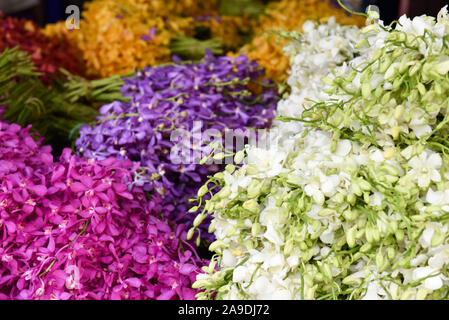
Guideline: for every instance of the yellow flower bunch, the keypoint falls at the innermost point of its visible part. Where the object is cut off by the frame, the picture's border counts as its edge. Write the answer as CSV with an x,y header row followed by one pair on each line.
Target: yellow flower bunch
x,y
289,15
118,36
178,8
112,37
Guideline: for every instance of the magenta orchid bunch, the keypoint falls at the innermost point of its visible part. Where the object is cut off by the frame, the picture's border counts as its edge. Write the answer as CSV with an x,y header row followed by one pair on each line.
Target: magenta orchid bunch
x,y
74,230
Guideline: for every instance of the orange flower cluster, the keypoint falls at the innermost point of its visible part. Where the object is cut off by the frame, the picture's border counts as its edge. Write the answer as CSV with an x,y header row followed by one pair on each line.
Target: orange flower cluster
x,y
119,36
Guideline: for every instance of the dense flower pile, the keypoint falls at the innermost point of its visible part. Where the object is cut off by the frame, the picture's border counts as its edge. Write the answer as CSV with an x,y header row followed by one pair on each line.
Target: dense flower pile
x,y
48,54
350,200
211,95
120,36
287,15
73,229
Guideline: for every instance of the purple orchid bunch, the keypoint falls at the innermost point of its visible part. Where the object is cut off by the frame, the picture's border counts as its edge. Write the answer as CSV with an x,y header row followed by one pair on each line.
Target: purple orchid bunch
x,y
75,229
219,93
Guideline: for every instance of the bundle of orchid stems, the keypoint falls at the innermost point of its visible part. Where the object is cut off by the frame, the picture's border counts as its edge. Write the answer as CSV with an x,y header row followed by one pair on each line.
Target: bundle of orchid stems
x,y
342,193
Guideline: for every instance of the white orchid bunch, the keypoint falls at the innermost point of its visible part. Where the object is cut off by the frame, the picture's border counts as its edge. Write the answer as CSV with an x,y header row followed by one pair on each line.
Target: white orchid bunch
x,y
354,204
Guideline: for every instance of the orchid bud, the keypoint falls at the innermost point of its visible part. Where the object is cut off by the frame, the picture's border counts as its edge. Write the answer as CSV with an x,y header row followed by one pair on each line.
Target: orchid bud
x,y
239,156
202,283
252,169
385,98
389,153
255,229
418,218
318,197
437,238
399,234
350,237
391,72
357,256
401,263
404,64
212,226
288,248
422,89
318,277
415,68
366,197
401,37
205,269
199,219
204,160
366,90
399,111
223,193
391,253
365,247
218,245
219,176
360,233
364,185
351,198
375,234
209,206
348,215
326,212
328,81
351,76
438,88
422,293
193,209
213,263
366,76
330,90
308,255
339,198
251,205
407,294
398,52
394,225
219,156
190,233
254,189
385,65
392,36
378,54
394,291
369,234
230,168
380,261
310,292
395,131
250,244
356,187
378,92
370,28
351,281
361,43
202,191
